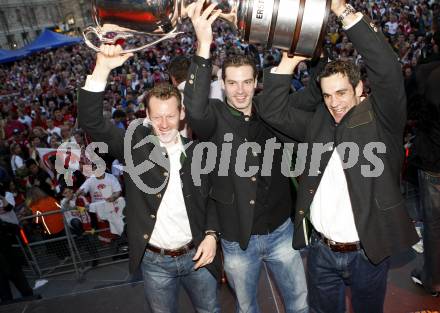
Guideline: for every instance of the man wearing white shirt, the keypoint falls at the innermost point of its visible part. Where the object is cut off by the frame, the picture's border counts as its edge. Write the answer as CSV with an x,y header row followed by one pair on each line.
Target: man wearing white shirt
x,y
52,129
357,211
172,233
104,187
393,25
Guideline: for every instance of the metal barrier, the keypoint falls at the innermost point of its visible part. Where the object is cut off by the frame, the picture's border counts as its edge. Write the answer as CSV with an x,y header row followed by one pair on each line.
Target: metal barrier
x,y
66,252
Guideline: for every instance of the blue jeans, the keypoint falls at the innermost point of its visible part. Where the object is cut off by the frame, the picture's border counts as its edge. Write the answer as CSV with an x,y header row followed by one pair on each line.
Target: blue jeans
x,y
163,276
329,273
242,268
429,186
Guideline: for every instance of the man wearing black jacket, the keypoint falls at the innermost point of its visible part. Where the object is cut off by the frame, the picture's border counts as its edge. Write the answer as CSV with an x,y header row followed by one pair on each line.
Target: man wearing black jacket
x,y
169,230
254,207
10,261
426,157
350,189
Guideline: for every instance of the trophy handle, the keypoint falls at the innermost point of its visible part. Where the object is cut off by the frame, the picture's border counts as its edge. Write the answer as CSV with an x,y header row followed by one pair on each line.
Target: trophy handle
x,y
112,38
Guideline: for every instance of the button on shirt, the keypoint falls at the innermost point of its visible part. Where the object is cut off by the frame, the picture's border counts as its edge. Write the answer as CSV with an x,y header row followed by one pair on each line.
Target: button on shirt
x,y
331,212
172,229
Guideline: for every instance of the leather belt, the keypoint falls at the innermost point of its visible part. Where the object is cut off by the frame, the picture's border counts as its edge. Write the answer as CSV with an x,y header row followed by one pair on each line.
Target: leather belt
x,y
172,252
340,246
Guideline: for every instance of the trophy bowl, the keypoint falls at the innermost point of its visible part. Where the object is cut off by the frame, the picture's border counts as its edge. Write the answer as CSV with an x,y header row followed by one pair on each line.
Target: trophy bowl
x,y
296,26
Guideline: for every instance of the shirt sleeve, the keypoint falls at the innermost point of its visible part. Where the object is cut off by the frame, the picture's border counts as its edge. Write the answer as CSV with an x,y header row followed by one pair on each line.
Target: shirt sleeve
x,y
93,85
18,162
359,16
10,198
85,186
116,186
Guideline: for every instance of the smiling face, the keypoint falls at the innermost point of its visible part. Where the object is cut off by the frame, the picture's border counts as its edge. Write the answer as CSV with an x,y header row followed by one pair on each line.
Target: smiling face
x,y
239,84
339,95
165,116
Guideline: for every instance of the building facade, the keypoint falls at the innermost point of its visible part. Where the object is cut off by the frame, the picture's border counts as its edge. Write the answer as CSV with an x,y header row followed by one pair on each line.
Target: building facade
x,y
21,21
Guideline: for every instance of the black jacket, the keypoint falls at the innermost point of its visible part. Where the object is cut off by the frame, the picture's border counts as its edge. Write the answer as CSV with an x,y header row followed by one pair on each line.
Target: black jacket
x,y
426,150
379,211
141,210
243,203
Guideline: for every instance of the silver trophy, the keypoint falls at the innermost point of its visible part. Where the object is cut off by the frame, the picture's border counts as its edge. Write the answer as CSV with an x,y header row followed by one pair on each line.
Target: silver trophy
x,y
297,26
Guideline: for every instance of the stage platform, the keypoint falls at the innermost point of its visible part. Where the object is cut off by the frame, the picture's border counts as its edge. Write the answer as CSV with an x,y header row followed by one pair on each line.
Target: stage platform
x,y
110,289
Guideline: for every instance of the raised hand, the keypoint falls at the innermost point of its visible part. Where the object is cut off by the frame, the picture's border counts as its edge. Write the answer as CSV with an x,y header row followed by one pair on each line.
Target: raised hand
x,y
287,65
110,57
338,6
202,22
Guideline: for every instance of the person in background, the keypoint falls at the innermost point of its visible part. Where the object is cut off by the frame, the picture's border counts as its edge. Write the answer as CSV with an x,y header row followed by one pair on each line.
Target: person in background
x,y
426,157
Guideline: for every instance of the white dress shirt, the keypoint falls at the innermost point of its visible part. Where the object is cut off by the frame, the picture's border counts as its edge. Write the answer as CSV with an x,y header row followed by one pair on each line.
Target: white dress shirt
x,y
331,212
172,229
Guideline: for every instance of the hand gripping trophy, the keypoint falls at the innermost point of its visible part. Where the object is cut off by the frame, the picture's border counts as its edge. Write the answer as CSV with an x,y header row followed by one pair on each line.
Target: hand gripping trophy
x,y
297,26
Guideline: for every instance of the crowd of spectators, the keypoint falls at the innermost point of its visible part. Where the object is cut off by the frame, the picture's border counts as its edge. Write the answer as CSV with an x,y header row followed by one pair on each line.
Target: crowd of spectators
x,y
38,93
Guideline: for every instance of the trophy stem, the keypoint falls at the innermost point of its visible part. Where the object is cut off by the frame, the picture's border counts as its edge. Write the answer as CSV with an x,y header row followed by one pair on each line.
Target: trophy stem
x,y
121,36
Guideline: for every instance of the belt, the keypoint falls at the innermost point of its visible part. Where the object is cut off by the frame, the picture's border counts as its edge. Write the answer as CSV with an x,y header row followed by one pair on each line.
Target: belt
x,y
340,246
172,252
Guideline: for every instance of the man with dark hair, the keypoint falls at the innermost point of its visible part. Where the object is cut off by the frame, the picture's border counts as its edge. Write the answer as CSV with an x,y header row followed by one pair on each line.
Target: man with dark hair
x,y
169,230
38,177
253,207
356,207
237,60
178,69
347,69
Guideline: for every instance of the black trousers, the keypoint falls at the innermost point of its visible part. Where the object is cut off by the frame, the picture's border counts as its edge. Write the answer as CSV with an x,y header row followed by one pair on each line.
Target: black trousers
x,y
13,273
429,185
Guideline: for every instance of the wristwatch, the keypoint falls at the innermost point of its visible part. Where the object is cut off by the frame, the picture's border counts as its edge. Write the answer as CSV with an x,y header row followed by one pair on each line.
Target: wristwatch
x,y
214,234
348,10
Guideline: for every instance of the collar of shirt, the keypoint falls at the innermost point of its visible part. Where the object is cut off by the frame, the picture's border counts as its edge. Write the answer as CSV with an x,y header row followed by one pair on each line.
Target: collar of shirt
x,y
240,114
174,148
181,86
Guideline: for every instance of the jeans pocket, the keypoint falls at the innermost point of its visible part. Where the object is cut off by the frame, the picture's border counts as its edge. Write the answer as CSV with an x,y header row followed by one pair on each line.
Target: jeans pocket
x,y
229,247
151,257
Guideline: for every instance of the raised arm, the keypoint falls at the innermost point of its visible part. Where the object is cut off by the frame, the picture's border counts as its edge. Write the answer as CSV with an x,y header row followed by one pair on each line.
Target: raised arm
x,y
90,106
384,74
285,112
199,113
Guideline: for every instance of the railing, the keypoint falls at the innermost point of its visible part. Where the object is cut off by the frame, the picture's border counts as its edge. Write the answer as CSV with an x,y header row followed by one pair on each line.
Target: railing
x,y
65,252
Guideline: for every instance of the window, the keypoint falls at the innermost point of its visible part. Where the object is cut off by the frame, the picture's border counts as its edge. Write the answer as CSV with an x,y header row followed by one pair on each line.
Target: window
x,y
18,14
11,41
33,16
4,22
24,37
